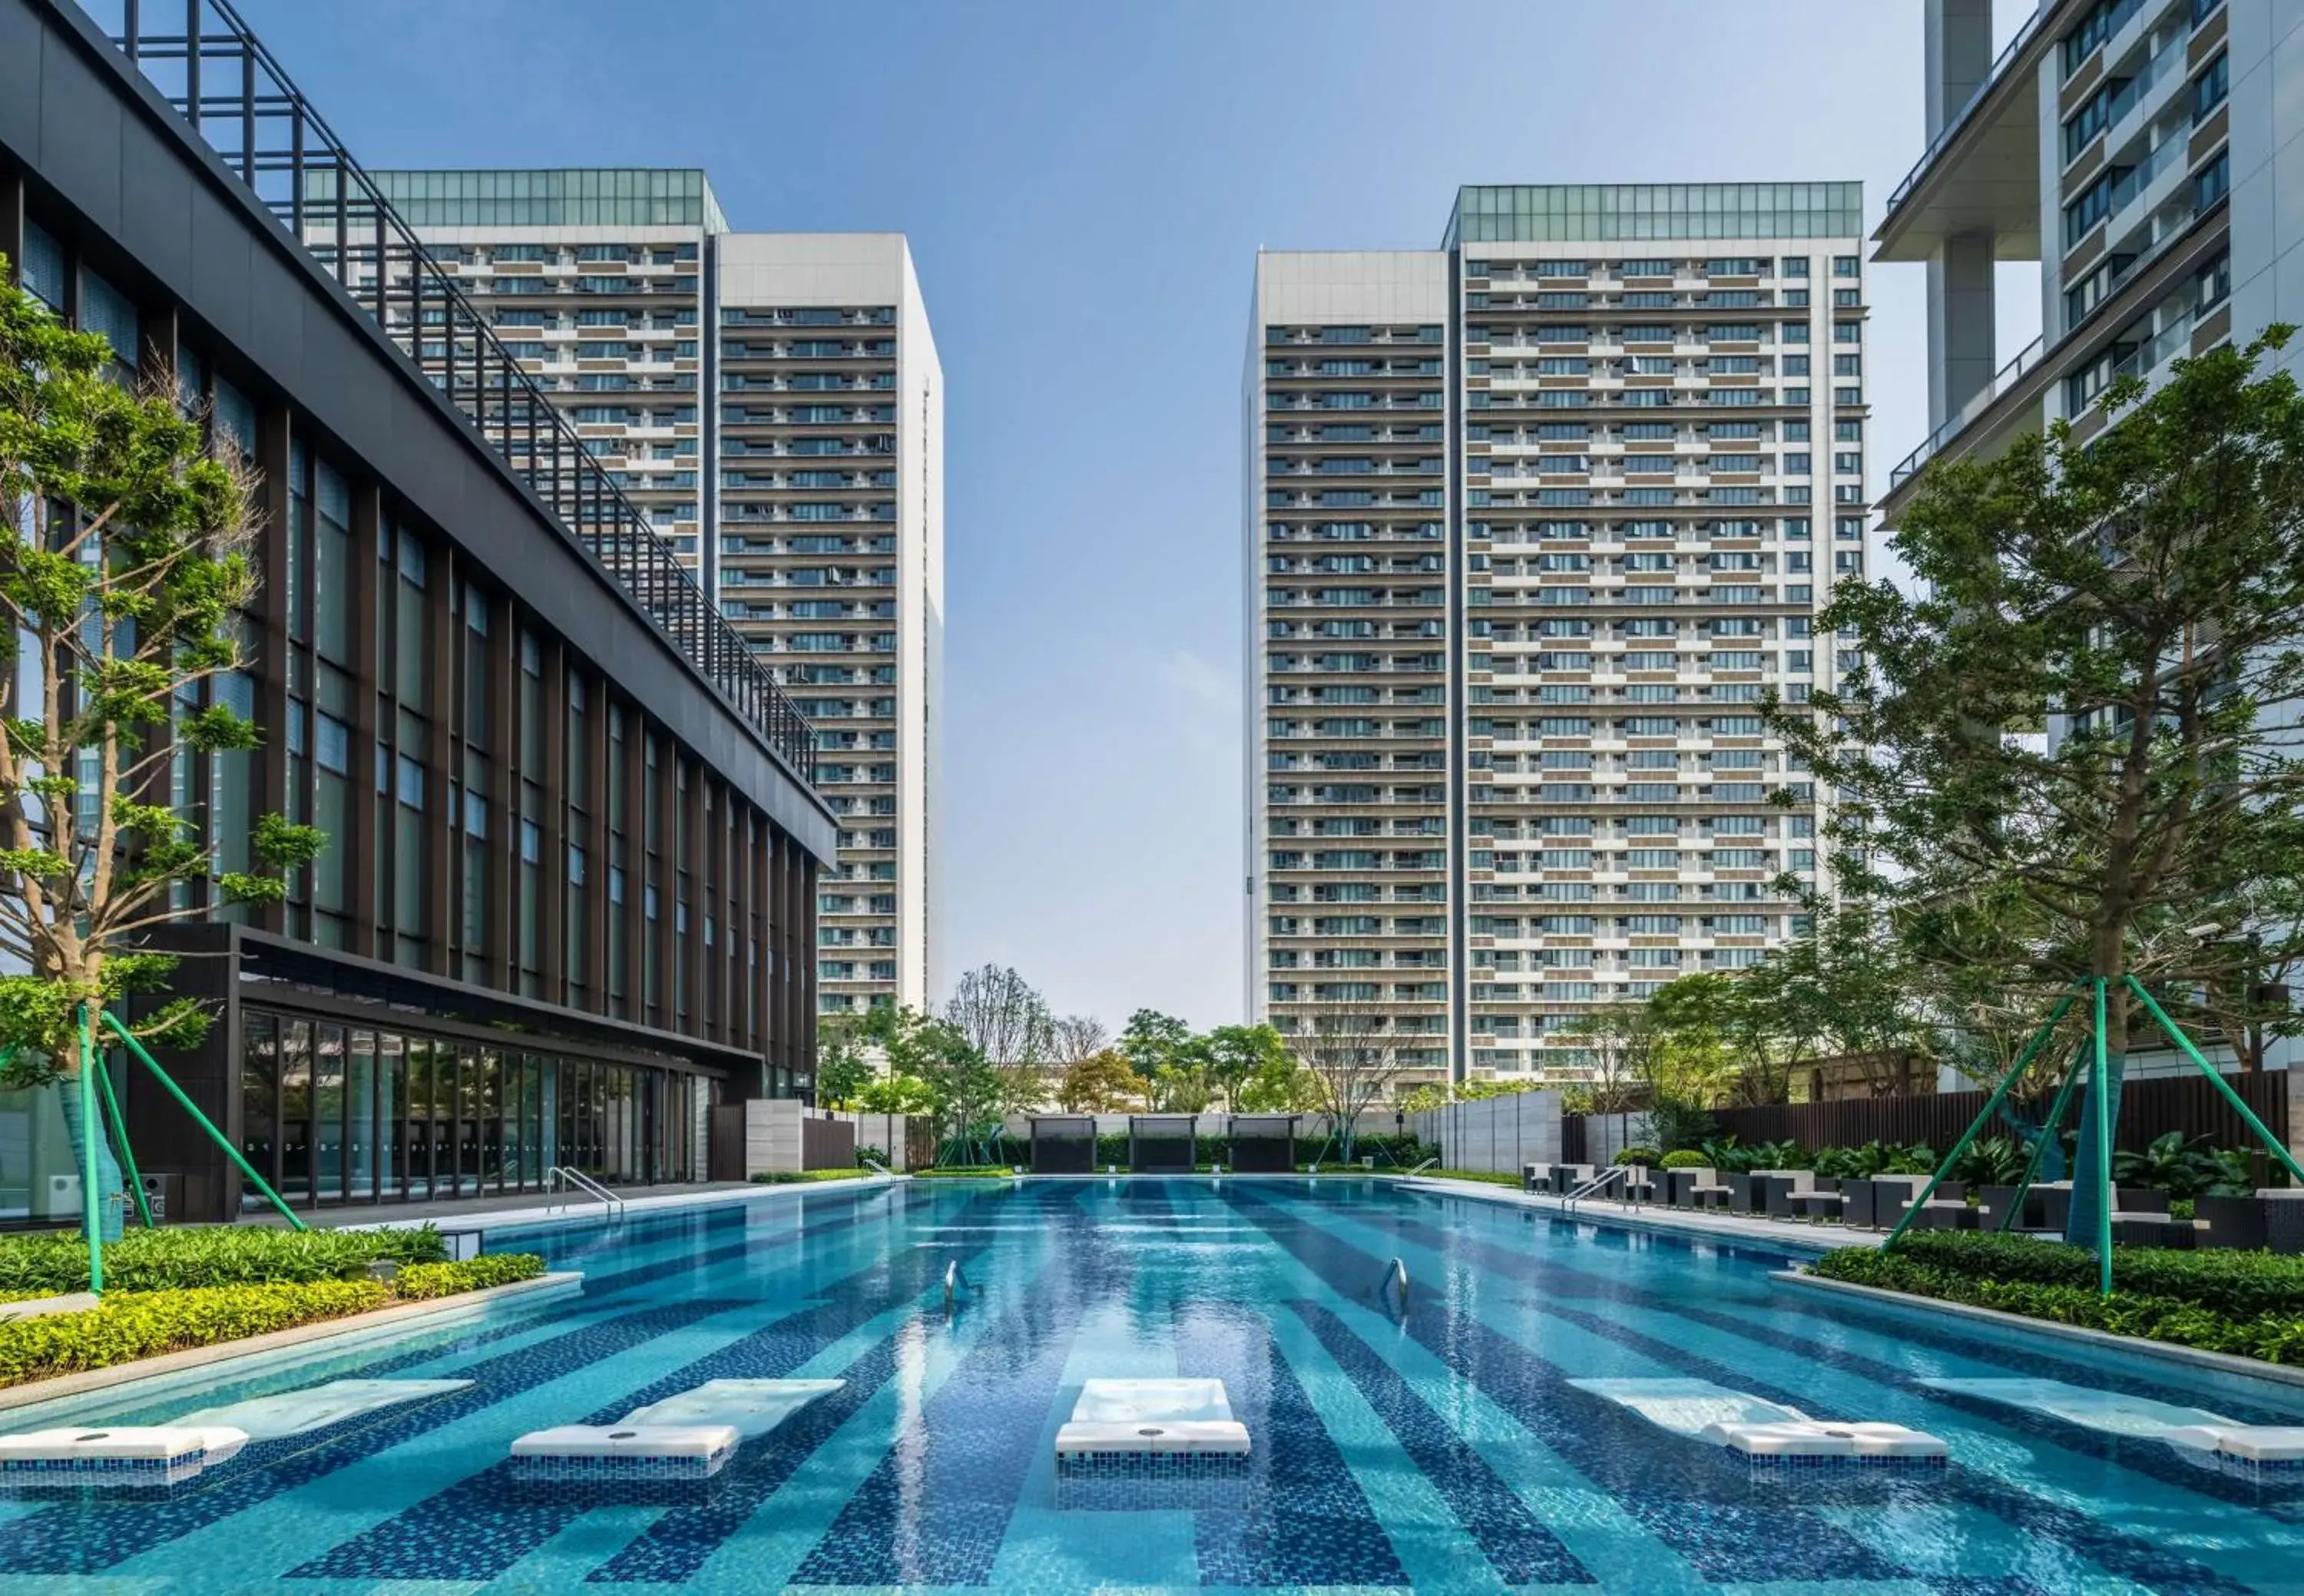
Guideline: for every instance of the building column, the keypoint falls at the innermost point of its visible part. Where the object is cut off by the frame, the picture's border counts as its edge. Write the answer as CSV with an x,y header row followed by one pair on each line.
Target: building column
x,y
1959,57
1961,316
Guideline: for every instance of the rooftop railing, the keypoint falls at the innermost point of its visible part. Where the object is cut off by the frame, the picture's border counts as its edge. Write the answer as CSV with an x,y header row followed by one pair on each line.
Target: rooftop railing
x,y
228,88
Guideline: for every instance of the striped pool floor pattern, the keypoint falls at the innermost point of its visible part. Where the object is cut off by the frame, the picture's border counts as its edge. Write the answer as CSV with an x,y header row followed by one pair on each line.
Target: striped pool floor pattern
x,y
1440,1448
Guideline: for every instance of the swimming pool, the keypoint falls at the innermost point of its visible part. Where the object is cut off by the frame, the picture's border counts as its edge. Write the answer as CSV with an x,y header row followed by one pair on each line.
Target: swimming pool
x,y
1443,1447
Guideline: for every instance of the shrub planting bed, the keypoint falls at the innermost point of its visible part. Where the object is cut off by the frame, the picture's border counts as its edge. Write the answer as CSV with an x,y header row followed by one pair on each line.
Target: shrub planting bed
x,y
206,1255
2249,1303
130,1325
796,1178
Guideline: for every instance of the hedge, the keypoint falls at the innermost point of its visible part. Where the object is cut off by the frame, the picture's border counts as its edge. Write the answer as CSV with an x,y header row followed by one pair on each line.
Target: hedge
x,y
128,1325
206,1255
2239,1284
1493,1177
789,1177
2249,1303
424,1282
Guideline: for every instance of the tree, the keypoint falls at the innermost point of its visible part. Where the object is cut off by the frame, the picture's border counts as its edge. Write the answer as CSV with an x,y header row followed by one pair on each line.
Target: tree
x,y
966,1092
1006,1021
1235,1053
843,1063
1622,1049
1100,1083
119,597
1277,1085
1075,1037
1173,1062
1350,1054
2142,593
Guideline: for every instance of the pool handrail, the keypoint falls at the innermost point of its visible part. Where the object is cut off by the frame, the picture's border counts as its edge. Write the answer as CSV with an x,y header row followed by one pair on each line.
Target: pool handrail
x,y
572,1180
1598,1183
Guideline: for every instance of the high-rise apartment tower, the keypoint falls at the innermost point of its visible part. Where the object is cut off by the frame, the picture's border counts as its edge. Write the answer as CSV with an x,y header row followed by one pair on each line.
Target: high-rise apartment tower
x,y
1533,522
773,402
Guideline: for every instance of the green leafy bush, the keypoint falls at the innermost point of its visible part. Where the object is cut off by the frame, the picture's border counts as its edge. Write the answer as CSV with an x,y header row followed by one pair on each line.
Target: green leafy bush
x,y
207,1255
1991,1161
2241,1284
2248,1303
963,1172
1643,1156
1489,1177
2183,1169
130,1325
1878,1158
423,1282
1685,1158
786,1177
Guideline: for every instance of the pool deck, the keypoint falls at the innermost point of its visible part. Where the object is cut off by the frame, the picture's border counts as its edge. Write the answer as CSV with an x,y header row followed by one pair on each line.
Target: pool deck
x,y
1799,1235
490,1213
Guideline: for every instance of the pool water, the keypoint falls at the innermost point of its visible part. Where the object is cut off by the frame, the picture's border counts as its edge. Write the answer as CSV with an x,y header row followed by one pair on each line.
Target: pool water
x,y
1440,1448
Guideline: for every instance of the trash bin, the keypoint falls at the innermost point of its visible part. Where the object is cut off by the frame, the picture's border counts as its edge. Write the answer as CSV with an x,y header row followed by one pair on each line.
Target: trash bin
x,y
164,1194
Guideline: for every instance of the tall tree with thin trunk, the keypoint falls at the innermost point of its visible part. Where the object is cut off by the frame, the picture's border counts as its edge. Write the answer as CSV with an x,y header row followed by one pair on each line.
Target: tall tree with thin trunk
x,y
2142,593
120,595
1004,1018
1351,1058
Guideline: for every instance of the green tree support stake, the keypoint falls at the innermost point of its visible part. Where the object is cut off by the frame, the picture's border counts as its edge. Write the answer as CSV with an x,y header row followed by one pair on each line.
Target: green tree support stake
x,y
2176,1035
127,1153
193,1109
92,1213
2098,1091
2053,1126
1999,1095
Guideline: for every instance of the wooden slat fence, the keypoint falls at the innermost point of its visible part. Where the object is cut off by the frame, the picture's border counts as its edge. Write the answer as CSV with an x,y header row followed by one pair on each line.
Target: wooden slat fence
x,y
2149,1106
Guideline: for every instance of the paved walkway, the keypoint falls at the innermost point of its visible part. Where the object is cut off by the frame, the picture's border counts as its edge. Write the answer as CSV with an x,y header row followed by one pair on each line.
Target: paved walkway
x,y
520,1207
1780,1233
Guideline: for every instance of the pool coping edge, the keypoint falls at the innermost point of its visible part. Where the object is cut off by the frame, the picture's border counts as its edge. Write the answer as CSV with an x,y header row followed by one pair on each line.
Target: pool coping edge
x,y
392,1320
1780,1234
2220,1362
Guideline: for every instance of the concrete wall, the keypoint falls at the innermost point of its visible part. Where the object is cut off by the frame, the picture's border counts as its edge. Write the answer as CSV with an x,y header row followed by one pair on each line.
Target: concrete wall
x,y
1494,1134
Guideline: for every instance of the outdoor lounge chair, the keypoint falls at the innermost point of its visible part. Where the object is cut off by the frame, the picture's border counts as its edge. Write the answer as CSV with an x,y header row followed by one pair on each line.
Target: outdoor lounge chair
x,y
1777,1188
2283,1219
687,1437
1567,1177
1760,1431
1680,1185
2232,1221
1823,1201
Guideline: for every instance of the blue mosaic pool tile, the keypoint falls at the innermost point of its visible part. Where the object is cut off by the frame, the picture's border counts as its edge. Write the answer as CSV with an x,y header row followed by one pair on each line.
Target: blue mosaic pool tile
x,y
1684,1501
1522,1550
72,1541
2091,1539
1307,1521
435,1539
937,1509
613,1471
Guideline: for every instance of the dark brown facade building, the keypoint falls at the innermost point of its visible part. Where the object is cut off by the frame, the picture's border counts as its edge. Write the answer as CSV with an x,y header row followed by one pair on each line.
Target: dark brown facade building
x,y
569,900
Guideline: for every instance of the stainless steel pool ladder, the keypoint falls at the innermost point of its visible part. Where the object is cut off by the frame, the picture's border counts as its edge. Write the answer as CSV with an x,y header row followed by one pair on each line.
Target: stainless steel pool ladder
x,y
574,1180
1394,1272
1595,1185
954,1285
1427,1164
877,1168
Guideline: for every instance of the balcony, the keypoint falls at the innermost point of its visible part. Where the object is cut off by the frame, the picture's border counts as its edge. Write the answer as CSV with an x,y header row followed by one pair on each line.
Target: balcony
x,y
1981,173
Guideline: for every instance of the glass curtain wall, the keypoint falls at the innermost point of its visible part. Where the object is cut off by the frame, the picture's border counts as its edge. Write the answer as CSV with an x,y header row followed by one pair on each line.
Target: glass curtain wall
x,y
333,1113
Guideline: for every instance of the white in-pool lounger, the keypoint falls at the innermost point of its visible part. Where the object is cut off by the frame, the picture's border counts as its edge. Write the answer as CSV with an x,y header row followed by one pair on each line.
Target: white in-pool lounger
x,y
2253,1448
122,1455
2111,1412
2205,1437
1760,1430
690,1436
136,1455
1151,1418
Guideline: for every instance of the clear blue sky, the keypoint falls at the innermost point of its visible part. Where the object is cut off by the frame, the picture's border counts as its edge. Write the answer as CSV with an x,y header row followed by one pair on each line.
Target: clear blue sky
x,y
1085,187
